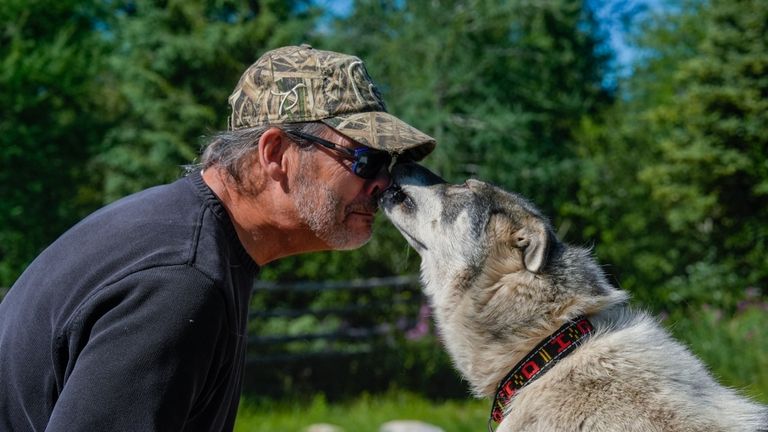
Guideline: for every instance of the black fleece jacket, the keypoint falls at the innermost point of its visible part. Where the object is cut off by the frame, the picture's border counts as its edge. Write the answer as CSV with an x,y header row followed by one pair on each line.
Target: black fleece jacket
x,y
133,320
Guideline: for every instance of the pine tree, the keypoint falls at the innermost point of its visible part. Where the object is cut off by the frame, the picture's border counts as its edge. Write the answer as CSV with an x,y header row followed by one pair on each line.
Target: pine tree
x,y
50,121
674,186
171,71
711,178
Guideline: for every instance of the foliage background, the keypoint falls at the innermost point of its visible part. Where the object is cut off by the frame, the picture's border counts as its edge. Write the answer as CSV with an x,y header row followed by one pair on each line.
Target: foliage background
x,y
663,169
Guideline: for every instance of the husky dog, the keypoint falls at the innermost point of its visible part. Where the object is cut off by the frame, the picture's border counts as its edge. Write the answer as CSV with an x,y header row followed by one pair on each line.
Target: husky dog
x,y
535,323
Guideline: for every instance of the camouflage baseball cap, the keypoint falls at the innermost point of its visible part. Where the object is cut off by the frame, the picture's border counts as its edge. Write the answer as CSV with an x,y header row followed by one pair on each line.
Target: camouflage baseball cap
x,y
301,84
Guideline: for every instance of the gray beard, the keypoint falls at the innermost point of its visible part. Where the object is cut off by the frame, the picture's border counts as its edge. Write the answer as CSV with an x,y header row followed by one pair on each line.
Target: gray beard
x,y
318,207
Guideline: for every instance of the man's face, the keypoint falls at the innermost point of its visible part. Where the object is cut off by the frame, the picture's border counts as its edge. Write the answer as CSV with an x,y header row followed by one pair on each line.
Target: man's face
x,y
337,205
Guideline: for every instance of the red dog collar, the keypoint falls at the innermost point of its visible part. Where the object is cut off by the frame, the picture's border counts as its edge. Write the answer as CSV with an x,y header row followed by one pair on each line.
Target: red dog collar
x,y
539,360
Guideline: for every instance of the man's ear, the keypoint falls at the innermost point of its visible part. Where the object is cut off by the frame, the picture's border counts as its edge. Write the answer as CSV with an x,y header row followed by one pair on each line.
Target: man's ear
x,y
272,151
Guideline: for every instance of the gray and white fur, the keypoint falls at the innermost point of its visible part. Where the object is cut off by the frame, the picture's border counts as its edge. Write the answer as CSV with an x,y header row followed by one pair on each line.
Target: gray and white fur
x,y
500,281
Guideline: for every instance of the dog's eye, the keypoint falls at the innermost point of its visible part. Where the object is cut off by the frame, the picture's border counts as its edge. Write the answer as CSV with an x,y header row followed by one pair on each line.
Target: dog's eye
x,y
399,195
408,202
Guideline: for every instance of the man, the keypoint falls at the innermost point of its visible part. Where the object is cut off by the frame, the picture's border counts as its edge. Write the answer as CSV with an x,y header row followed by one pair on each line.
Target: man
x,y
135,318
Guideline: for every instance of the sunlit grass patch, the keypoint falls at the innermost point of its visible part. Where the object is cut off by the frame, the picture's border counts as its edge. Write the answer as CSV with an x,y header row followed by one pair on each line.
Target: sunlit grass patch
x,y
366,413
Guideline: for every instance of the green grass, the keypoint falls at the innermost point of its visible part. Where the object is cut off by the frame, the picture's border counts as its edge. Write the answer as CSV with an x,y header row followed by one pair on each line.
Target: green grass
x,y
735,347
364,414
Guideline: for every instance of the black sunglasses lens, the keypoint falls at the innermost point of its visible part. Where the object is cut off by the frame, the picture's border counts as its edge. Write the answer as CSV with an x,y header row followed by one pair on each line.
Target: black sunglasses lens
x,y
369,164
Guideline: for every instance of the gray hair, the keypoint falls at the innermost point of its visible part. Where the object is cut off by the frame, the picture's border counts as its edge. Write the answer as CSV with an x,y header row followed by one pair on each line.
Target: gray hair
x,y
233,150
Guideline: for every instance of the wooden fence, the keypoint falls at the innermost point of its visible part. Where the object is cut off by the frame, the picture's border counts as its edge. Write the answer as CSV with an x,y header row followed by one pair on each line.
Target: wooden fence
x,y
300,321
337,337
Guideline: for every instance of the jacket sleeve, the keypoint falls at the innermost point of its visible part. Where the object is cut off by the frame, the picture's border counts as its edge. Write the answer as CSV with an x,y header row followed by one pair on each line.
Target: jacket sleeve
x,y
140,353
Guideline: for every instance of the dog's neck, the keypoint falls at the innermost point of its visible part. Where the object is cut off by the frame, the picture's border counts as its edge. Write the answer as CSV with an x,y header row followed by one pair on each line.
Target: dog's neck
x,y
538,361
490,324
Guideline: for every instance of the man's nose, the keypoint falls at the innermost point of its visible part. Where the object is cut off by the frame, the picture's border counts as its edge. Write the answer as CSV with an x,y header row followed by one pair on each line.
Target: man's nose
x,y
378,184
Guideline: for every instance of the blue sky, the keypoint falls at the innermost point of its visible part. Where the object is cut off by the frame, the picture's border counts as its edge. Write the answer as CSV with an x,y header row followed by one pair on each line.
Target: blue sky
x,y
613,15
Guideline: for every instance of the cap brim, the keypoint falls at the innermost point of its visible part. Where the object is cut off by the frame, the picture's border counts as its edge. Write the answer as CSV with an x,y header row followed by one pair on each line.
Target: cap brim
x,y
383,131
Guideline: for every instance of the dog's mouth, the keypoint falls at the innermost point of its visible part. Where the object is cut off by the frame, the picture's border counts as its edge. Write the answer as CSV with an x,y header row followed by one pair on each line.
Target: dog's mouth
x,y
395,196
413,241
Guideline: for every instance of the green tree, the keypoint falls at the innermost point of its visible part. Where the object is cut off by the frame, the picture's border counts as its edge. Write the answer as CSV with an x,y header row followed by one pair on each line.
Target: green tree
x,y
50,122
172,68
613,209
711,178
674,188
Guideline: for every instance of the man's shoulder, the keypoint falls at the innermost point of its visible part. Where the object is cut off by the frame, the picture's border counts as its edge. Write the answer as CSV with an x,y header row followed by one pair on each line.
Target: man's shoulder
x,y
168,202
153,228
156,226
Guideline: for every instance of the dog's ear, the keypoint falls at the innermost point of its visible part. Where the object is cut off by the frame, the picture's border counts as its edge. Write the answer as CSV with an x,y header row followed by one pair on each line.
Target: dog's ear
x,y
533,241
525,233
520,224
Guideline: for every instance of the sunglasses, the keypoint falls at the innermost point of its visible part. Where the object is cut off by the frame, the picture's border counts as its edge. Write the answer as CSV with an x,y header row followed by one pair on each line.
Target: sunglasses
x,y
367,161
